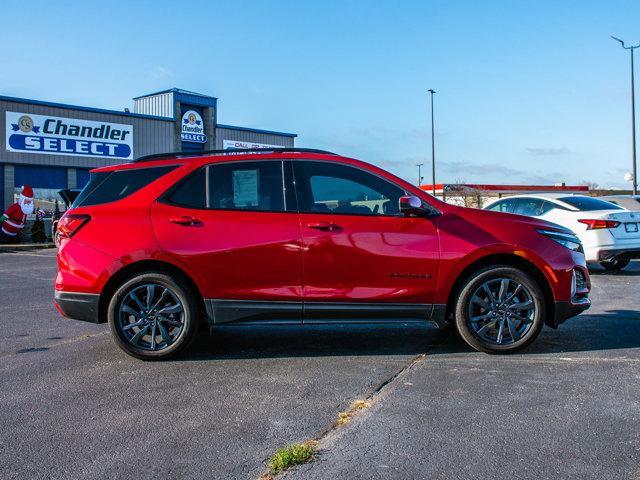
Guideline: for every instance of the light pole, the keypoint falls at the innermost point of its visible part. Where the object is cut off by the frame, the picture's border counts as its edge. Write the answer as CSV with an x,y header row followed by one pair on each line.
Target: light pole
x,y
419,165
433,147
631,48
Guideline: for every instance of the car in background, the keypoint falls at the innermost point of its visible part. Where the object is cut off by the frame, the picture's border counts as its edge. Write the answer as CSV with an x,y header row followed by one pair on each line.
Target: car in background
x,y
298,237
630,202
610,234
68,195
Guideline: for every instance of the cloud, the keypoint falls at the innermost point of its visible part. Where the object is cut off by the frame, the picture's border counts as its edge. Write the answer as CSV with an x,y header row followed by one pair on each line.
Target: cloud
x,y
473,172
160,72
545,151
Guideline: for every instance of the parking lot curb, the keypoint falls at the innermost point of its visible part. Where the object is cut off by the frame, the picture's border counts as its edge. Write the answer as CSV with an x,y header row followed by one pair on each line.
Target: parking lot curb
x,y
25,247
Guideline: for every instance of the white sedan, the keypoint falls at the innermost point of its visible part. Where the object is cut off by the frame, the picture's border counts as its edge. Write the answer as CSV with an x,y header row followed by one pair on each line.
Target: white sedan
x,y
609,234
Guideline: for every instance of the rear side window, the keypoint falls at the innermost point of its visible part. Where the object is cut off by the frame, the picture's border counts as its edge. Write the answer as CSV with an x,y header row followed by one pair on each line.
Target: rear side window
x,y
532,207
244,185
247,186
107,187
587,204
502,206
192,191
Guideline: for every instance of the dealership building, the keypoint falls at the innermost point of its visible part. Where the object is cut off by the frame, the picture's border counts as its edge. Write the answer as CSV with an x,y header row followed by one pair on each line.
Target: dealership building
x,y
52,146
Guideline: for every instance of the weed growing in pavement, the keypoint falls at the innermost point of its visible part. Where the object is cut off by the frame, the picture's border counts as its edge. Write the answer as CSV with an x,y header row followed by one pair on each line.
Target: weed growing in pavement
x,y
291,455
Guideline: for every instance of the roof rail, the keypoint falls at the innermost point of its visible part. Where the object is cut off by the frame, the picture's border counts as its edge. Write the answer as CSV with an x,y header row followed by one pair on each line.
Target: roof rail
x,y
157,156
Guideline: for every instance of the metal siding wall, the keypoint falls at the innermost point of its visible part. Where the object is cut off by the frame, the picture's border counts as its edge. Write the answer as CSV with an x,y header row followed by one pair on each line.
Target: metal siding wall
x,y
149,136
159,105
247,136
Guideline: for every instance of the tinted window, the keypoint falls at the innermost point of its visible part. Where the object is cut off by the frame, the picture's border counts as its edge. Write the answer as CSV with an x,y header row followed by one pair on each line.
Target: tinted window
x,y
191,192
502,206
111,186
330,187
246,186
586,204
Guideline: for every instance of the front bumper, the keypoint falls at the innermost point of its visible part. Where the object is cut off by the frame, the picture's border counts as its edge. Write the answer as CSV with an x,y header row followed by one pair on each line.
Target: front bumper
x,y
565,310
78,306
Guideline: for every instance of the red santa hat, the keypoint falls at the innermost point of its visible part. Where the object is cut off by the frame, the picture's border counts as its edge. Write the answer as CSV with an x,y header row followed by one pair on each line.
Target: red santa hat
x,y
27,191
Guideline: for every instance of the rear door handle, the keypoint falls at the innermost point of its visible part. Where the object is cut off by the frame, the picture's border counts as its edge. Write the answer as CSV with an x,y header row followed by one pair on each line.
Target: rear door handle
x,y
186,221
324,226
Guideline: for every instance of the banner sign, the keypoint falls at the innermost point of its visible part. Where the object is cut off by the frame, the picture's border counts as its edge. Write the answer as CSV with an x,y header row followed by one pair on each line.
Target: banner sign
x,y
28,133
192,127
237,144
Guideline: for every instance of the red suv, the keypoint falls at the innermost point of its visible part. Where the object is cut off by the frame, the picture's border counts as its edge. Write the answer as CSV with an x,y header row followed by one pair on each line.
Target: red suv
x,y
168,243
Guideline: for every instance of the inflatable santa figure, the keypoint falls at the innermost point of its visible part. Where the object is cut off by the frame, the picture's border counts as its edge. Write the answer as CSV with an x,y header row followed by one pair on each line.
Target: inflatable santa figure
x,y
13,220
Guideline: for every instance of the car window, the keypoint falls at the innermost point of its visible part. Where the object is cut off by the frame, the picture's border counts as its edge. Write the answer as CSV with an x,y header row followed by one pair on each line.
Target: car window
x,y
586,204
342,189
191,191
104,187
246,186
547,207
502,206
531,207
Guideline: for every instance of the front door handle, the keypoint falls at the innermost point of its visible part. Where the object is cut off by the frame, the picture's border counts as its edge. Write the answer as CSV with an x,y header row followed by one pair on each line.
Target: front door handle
x,y
324,226
185,221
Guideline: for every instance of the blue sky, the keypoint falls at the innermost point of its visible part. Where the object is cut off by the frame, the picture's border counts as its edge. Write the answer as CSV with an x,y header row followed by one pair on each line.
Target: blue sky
x,y
527,92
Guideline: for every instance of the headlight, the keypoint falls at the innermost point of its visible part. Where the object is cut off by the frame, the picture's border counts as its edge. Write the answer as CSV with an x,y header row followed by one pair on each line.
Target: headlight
x,y
567,240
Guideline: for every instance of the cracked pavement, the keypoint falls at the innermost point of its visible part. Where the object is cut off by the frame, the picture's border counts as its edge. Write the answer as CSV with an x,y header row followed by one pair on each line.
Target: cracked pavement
x,y
73,406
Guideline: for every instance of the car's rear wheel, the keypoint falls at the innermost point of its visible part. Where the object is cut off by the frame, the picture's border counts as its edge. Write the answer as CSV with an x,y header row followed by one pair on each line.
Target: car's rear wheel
x,y
500,309
152,316
617,263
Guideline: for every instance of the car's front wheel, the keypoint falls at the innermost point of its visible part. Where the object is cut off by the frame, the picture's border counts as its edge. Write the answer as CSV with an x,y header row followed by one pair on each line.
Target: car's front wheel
x,y
500,309
615,264
152,316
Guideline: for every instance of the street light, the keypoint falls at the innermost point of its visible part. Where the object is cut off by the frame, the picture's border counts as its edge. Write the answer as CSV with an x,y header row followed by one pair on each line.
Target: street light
x,y
631,48
433,147
419,165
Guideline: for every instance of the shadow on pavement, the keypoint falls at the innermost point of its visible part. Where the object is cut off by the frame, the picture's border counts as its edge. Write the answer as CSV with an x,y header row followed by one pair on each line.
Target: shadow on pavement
x,y
314,341
614,329
601,272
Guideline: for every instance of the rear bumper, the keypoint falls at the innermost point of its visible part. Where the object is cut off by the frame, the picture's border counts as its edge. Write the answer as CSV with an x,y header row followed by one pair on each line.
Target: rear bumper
x,y
611,253
565,310
78,306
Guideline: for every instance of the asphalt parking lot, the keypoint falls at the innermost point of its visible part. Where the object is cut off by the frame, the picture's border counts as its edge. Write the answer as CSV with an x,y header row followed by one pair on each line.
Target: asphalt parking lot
x,y
74,406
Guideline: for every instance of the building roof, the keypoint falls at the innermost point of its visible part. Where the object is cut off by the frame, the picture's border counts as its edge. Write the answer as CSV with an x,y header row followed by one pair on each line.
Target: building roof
x,y
82,108
488,188
175,90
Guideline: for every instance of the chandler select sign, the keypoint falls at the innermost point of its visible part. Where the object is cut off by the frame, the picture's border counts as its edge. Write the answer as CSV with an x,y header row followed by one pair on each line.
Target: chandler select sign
x,y
27,133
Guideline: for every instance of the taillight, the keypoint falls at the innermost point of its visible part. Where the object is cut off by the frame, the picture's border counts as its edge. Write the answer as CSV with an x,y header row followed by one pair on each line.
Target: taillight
x,y
70,223
593,224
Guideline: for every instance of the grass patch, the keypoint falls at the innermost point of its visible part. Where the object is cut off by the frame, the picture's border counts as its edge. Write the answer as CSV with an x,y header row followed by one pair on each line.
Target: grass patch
x,y
360,405
291,455
345,417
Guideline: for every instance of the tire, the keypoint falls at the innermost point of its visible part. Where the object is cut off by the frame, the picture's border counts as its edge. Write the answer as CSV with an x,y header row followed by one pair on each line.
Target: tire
x,y
478,317
159,305
618,263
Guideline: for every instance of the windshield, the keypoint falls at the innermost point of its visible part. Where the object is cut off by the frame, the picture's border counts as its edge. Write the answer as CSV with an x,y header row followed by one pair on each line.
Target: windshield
x,y
586,204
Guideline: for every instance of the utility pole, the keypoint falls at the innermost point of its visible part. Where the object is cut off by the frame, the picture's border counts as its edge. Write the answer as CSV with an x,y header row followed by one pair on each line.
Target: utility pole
x,y
419,165
433,147
631,48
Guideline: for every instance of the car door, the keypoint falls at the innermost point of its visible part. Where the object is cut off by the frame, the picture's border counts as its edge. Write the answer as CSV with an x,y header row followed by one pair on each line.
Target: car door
x,y
230,223
362,258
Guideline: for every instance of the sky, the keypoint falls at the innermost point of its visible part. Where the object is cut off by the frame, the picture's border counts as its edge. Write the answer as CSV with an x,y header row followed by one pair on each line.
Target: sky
x,y
526,92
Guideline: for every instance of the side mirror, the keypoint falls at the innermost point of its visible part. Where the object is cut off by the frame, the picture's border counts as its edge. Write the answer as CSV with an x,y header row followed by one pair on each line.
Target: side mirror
x,y
412,206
